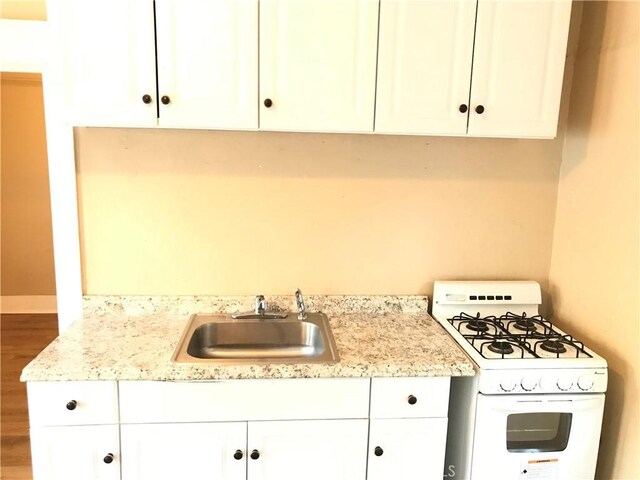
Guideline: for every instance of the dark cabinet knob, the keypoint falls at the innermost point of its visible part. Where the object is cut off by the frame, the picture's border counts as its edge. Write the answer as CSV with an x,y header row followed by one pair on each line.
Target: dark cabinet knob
x,y
479,109
108,458
463,108
412,400
255,454
268,102
72,405
165,100
238,455
378,451
146,99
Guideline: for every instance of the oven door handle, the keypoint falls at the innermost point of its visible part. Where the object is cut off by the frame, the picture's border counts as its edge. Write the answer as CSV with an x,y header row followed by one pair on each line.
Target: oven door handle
x,y
503,404
572,405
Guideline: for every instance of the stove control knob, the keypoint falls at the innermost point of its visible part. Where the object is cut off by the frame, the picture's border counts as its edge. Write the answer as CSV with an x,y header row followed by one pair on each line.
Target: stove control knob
x,y
507,385
565,384
585,383
529,383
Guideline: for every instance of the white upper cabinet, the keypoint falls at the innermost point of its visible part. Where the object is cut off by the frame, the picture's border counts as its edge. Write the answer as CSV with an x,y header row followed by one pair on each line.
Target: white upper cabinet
x,y
108,58
518,66
424,66
428,59
489,68
318,64
208,63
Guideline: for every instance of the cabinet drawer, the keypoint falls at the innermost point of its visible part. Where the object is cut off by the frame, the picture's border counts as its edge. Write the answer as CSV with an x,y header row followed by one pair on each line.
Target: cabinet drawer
x,y
72,403
409,397
279,399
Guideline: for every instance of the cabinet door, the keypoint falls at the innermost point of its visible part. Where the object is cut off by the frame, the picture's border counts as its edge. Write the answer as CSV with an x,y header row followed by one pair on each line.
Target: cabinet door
x,y
317,64
406,449
518,65
208,63
184,450
75,453
108,58
309,449
424,66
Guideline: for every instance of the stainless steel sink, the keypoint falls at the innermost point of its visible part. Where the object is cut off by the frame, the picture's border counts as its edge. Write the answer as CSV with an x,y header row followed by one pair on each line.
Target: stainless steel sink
x,y
221,339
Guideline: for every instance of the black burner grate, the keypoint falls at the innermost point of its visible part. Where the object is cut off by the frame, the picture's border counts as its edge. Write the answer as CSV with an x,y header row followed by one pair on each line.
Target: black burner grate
x,y
515,336
476,325
499,344
558,344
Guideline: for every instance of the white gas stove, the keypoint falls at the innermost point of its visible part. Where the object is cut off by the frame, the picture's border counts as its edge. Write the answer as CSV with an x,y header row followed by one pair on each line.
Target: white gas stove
x,y
517,351
534,409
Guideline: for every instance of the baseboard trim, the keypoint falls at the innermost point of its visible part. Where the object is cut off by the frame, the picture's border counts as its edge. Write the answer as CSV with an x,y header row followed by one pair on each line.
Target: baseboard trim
x,y
28,304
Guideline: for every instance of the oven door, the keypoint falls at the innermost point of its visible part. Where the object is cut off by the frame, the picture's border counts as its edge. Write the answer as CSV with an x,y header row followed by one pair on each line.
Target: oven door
x,y
542,437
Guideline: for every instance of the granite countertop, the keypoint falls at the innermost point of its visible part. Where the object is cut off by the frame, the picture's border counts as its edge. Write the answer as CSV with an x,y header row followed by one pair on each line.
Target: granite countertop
x,y
133,338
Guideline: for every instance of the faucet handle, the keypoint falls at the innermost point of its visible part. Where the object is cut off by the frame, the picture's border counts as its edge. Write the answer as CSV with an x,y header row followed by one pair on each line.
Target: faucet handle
x,y
260,305
302,310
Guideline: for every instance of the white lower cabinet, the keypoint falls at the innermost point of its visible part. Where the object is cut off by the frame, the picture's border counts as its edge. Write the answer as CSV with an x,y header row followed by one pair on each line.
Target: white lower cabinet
x,y
280,450
310,450
407,448
89,452
184,450
281,429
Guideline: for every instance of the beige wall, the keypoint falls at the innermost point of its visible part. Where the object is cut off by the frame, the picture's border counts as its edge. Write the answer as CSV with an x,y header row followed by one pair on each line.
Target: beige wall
x,y
595,271
26,244
194,212
23,9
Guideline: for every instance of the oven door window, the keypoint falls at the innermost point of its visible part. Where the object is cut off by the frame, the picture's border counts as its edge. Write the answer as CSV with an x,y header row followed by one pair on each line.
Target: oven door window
x,y
538,432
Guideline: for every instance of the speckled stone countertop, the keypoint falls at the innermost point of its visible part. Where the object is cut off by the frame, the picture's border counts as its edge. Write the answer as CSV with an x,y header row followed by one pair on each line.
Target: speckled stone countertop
x,y
133,338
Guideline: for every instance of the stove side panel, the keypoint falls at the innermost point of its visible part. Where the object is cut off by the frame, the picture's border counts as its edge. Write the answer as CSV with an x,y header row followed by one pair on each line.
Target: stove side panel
x,y
462,416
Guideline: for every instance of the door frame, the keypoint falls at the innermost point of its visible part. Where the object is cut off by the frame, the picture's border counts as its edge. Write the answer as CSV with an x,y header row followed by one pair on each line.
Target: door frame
x,y
34,50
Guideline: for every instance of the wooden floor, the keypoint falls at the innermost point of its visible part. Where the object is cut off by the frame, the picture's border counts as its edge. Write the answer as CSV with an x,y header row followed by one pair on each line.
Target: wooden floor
x,y
22,338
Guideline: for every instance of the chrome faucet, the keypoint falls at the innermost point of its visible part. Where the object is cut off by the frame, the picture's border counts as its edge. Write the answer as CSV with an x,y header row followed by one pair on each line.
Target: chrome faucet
x,y
302,310
260,311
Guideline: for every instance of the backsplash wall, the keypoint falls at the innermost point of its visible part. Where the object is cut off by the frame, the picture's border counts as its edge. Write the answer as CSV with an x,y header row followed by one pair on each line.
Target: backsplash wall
x,y
201,212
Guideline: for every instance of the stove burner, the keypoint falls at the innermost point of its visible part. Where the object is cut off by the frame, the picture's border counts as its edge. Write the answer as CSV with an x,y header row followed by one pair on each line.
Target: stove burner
x,y
525,325
503,348
476,325
553,346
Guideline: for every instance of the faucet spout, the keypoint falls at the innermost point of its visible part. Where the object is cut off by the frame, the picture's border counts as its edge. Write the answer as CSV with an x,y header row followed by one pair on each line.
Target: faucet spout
x,y
302,310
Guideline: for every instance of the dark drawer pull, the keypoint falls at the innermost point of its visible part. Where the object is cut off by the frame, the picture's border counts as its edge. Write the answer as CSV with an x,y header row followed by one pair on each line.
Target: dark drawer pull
x,y
412,400
72,405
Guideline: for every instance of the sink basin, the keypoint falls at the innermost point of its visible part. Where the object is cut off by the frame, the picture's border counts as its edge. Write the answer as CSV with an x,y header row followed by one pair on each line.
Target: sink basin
x,y
221,339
